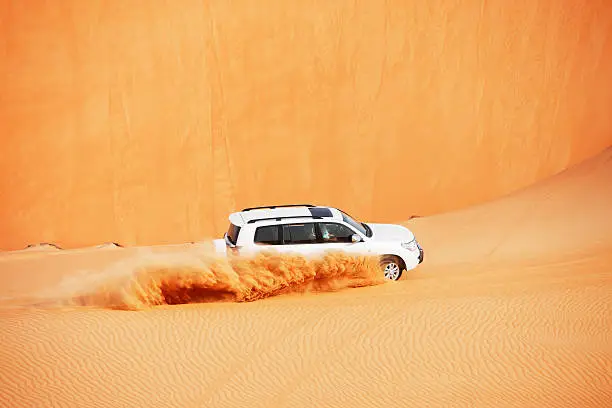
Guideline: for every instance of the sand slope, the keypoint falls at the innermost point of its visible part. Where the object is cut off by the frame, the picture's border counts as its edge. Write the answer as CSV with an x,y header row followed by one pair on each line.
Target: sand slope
x,y
511,309
146,124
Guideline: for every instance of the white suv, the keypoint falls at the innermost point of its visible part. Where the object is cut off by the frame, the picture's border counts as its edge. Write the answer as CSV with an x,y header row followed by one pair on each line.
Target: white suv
x,y
308,229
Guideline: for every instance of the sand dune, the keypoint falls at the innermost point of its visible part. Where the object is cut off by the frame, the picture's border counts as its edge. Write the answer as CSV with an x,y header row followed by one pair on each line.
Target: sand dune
x,y
146,125
511,309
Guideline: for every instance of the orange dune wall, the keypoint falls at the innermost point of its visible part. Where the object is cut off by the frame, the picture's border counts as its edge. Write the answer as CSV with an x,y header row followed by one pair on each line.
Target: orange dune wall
x,y
147,122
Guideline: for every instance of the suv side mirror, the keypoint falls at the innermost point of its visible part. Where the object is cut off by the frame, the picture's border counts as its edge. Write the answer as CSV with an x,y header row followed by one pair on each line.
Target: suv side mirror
x,y
356,238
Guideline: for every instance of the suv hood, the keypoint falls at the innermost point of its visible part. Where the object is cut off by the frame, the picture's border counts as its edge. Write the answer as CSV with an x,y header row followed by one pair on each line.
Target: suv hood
x,y
390,232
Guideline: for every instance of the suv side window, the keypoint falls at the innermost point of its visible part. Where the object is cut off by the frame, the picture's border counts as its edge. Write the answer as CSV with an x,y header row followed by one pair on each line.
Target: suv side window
x,y
267,235
333,232
304,233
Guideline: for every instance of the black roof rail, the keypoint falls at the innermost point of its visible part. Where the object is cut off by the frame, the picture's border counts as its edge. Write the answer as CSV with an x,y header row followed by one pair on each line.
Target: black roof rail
x,y
282,218
278,206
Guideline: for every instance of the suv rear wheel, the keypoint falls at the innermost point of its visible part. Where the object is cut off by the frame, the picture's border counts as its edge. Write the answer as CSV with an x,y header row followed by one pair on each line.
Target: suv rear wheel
x,y
392,267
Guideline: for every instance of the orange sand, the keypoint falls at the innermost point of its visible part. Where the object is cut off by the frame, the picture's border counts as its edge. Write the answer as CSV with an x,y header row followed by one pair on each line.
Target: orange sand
x,y
513,308
147,123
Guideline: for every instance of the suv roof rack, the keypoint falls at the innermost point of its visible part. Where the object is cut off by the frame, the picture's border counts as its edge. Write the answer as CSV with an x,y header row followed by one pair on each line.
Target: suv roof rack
x,y
316,217
278,206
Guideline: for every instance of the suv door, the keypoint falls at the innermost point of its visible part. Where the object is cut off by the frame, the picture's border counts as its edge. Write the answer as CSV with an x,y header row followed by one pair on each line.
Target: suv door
x,y
336,236
313,238
300,237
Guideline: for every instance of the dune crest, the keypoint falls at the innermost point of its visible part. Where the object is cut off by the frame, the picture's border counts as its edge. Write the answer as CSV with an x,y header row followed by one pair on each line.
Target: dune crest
x,y
147,280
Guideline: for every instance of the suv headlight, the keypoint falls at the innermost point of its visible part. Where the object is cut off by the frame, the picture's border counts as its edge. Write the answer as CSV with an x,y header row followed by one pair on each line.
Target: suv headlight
x,y
411,246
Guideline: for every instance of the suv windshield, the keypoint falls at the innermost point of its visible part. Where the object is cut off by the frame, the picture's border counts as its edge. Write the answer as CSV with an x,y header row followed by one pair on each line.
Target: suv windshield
x,y
359,226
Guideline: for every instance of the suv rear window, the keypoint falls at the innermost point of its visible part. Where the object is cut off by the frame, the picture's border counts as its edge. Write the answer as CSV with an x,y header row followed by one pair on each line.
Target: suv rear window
x,y
232,233
267,235
299,234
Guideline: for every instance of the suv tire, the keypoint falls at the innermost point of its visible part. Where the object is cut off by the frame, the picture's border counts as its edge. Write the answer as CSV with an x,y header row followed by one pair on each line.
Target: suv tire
x,y
392,266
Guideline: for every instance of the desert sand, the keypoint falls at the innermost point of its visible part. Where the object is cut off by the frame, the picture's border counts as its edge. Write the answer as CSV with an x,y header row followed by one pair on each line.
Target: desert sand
x,y
483,126
512,308
146,124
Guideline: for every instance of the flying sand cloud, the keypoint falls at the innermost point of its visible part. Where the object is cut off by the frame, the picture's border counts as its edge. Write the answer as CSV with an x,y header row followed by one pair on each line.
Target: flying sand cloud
x,y
147,280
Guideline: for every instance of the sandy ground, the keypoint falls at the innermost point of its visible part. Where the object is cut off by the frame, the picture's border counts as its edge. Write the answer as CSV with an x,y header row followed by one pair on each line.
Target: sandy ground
x,y
512,308
146,125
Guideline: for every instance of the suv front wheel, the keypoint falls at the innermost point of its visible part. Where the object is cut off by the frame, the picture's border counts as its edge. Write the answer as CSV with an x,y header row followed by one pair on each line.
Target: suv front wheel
x,y
392,267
